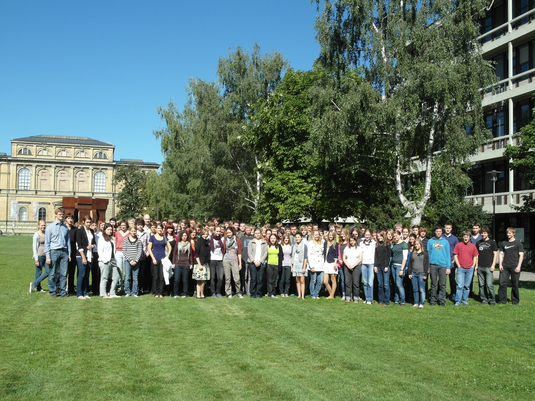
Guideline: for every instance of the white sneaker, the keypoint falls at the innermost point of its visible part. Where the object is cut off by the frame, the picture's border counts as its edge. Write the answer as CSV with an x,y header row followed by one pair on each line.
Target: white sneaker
x,y
87,297
240,296
31,287
229,297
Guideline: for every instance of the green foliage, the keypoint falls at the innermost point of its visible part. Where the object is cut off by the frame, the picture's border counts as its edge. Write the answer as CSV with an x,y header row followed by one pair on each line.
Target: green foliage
x,y
209,167
424,62
522,158
132,183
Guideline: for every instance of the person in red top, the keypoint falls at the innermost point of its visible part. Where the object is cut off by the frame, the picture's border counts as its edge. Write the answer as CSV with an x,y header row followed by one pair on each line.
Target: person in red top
x,y
465,256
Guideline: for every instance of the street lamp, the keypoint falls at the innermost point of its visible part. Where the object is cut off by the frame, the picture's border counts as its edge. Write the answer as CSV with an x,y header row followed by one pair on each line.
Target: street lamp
x,y
494,178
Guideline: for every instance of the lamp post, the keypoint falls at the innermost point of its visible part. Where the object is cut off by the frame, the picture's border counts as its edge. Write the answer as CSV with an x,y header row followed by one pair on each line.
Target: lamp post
x,y
494,178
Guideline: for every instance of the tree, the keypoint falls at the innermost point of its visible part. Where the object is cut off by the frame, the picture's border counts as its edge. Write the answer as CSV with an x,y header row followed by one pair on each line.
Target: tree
x,y
131,182
209,168
425,63
522,158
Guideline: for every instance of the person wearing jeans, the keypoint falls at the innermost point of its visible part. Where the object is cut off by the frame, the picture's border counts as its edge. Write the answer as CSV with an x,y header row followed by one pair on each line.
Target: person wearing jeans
x,y
57,250
132,252
39,257
400,251
418,270
85,243
383,253
368,260
486,262
465,256
315,261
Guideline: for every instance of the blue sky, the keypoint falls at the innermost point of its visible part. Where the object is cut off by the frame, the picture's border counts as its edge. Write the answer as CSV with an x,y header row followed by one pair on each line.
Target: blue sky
x,y
101,68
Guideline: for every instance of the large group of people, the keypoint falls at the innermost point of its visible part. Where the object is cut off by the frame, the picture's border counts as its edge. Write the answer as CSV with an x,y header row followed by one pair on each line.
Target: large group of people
x,y
180,258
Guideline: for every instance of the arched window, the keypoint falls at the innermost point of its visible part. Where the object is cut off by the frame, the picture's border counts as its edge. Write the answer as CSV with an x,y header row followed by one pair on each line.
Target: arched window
x,y
24,151
42,213
100,182
23,214
63,153
24,178
82,153
43,180
44,152
100,155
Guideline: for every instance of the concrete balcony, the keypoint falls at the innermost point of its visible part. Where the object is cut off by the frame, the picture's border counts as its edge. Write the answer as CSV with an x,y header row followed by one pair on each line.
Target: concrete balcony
x,y
504,200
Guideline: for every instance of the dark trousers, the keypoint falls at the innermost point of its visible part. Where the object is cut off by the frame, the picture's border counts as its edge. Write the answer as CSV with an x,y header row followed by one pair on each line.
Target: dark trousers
x,y
352,279
284,282
271,273
453,281
257,278
216,277
70,275
438,272
157,278
244,277
502,289
181,274
95,275
145,275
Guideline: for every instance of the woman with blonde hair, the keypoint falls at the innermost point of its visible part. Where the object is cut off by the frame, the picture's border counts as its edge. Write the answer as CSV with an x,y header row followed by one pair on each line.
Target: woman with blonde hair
x,y
330,266
286,271
316,257
39,257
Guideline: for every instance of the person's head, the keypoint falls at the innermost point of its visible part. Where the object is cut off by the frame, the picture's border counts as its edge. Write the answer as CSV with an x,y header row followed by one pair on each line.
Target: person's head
x,y
448,227
352,242
381,236
183,236
398,227
390,235
107,232
132,231
258,233
331,237
268,233
476,227
69,218
59,213
405,232
362,230
466,236
396,237
273,239
122,225
146,220
139,224
93,225
41,226
344,236
87,222
247,230
243,227
418,245
293,229
205,233
315,227
193,234
113,222
169,230
298,237
438,231
423,232
236,225
485,233
412,238
338,229
355,232
316,236
374,235
192,222
217,231
230,232
159,228
511,232
415,229
286,240
367,234
303,230
153,226
101,225
131,222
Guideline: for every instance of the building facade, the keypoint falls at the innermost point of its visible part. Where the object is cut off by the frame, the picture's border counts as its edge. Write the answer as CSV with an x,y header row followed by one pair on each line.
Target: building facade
x,y
508,39
43,170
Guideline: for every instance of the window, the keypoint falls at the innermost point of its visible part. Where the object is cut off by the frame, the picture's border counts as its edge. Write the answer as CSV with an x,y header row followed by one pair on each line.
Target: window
x,y
496,121
522,114
500,64
100,155
82,153
523,59
24,178
42,213
100,182
43,180
494,18
23,214
24,151
44,152
63,153
482,181
521,7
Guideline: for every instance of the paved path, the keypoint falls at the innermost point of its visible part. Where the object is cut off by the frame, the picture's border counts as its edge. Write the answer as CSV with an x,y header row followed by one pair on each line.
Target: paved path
x,y
524,276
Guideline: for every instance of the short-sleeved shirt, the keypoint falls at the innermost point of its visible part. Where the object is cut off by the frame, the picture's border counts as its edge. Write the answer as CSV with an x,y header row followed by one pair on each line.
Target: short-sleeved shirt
x,y
511,253
486,251
465,254
397,252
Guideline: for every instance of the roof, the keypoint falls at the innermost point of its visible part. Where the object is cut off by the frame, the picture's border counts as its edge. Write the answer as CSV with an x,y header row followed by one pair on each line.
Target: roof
x,y
71,140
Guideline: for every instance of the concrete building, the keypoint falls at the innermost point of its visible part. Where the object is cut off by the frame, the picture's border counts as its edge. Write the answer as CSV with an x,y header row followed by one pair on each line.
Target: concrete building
x,y
44,170
508,39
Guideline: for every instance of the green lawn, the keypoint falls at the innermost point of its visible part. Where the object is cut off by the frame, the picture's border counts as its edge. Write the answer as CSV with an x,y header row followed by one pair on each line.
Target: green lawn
x,y
254,349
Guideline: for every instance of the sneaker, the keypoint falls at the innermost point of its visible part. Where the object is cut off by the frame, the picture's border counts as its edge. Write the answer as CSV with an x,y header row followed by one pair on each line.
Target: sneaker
x,y
273,296
80,297
422,305
415,305
53,295
219,296
135,296
457,304
465,303
87,297
183,296
175,297
41,290
229,296
127,295
484,302
369,303
31,287
343,298
214,296
240,296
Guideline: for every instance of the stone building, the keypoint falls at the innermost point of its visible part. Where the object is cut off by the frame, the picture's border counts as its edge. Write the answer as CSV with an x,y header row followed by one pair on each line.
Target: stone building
x,y
44,169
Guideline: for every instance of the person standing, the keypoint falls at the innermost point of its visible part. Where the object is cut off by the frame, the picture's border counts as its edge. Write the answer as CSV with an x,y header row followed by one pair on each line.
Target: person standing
x,y
120,236
316,259
331,252
465,257
486,263
476,236
352,259
39,257
58,254
452,241
232,250
71,268
201,271
182,260
157,246
274,264
256,258
440,263
245,275
400,251
216,263
107,263
132,253
383,253
286,273
367,245
85,243
511,257
417,272
299,264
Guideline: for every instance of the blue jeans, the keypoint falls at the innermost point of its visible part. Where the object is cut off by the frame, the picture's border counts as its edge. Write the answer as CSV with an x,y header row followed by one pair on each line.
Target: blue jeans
x,y
39,275
418,288
399,294
181,274
131,274
464,278
83,277
59,264
316,279
367,278
342,284
383,278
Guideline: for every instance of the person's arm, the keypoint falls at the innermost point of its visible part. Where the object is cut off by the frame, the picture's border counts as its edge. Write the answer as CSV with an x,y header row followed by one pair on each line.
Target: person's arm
x,y
79,243
149,248
501,260
495,256
456,260
404,262
35,248
520,260
240,250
